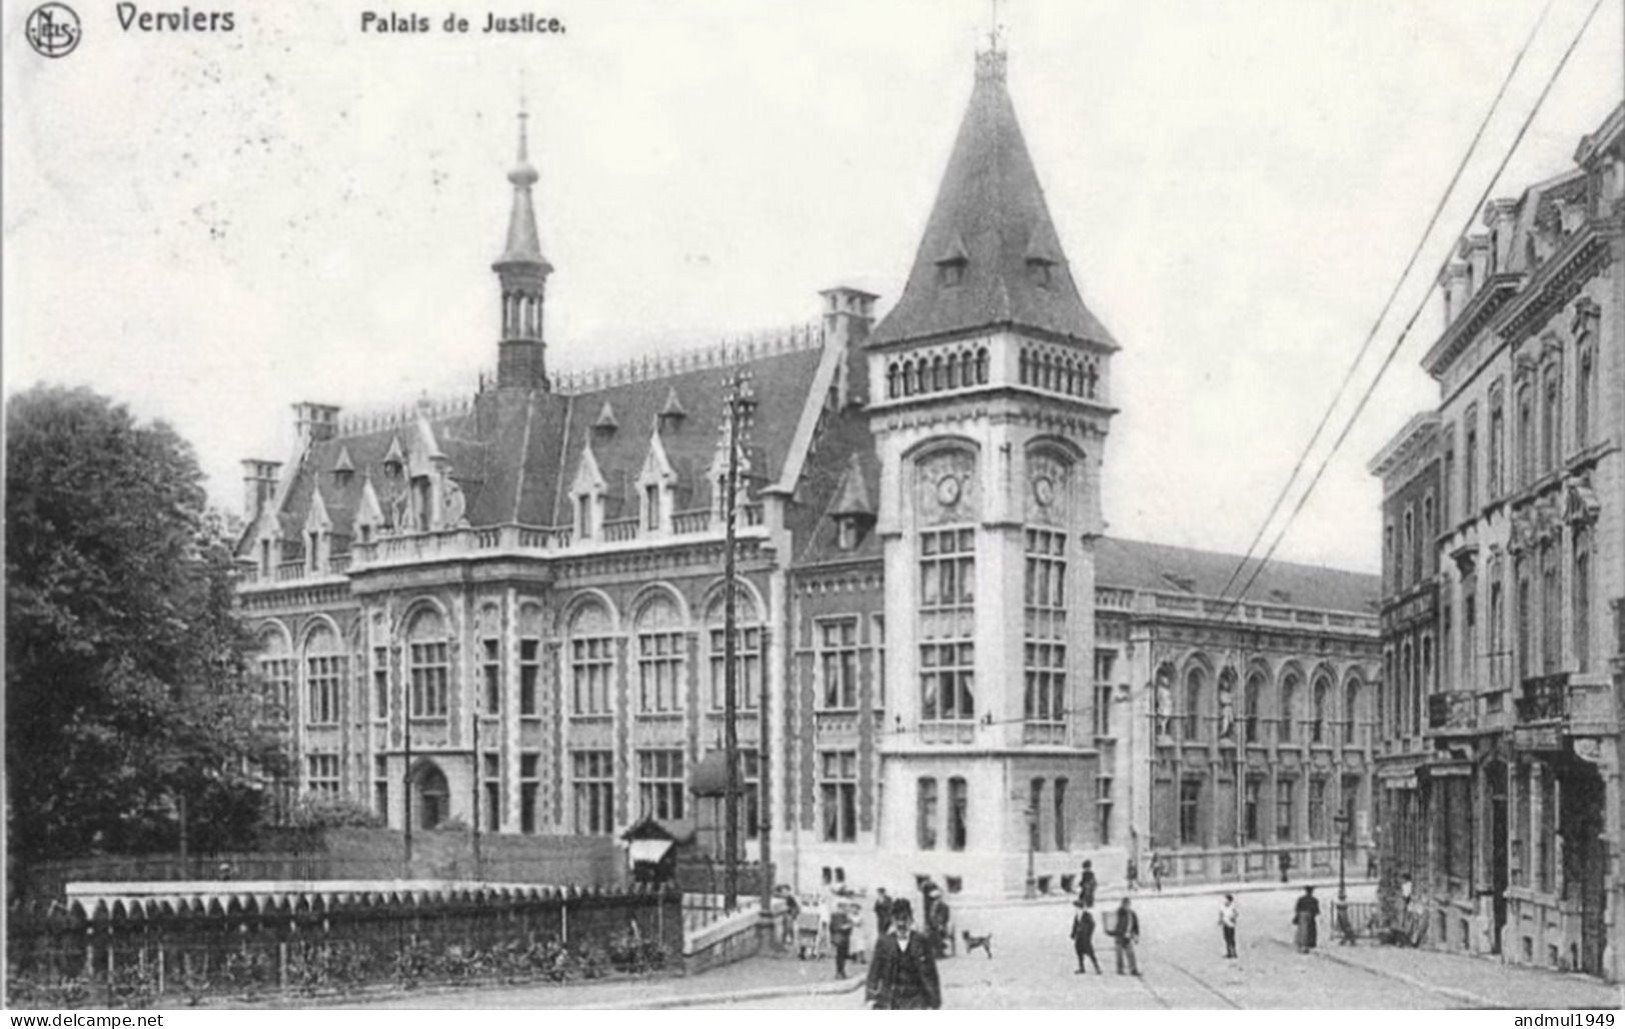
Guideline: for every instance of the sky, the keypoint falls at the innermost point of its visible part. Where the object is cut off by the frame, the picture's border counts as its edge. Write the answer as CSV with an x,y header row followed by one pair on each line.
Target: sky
x,y
212,227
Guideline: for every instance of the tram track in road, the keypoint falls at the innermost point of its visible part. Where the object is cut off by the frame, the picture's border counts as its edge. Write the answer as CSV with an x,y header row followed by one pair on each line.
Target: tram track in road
x,y
1204,984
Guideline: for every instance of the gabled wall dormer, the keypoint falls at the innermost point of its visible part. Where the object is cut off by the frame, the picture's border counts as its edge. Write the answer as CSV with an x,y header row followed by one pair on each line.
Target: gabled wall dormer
x,y
718,475
267,537
587,496
369,515
657,488
318,537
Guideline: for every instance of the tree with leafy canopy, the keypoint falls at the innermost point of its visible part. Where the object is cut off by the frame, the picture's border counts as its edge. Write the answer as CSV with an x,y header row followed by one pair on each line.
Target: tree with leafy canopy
x,y
127,680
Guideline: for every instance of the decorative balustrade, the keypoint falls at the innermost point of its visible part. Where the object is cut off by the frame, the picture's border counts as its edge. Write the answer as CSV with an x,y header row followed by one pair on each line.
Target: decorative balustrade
x,y
948,732
1045,733
685,522
620,530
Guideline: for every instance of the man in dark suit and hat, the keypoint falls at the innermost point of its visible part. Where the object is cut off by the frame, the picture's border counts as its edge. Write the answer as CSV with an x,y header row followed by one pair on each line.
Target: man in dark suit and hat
x,y
903,971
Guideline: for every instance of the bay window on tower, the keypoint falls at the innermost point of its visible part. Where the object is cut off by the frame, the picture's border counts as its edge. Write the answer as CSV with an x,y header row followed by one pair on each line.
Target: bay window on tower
x,y
1045,648
947,622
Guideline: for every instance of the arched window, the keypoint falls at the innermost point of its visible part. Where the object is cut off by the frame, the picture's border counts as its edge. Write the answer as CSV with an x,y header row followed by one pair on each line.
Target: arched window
x,y
953,371
659,628
1024,369
1317,729
1289,706
891,381
981,367
747,651
1252,706
326,667
592,659
1193,703
428,664
276,677
434,796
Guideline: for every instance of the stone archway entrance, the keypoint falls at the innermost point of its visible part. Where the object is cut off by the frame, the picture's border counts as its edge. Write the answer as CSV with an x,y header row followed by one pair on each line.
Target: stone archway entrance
x,y
431,796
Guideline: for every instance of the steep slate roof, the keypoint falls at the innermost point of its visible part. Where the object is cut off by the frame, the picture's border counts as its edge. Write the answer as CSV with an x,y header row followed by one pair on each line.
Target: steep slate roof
x,y
515,455
990,213
1133,564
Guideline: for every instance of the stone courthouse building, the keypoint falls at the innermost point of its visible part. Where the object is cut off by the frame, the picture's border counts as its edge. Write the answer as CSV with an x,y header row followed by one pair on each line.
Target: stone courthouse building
x,y
507,609
1498,774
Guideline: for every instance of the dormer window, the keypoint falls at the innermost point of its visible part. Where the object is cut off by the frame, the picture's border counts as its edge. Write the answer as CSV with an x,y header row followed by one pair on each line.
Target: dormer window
x,y
951,273
651,507
1039,271
365,531
584,516
846,533
313,552
265,557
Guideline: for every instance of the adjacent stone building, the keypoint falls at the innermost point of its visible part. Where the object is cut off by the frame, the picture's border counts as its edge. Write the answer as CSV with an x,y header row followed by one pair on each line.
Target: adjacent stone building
x,y
508,608
1503,574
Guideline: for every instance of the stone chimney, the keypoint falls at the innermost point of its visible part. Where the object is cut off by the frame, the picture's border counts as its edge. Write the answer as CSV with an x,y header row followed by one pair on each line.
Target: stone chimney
x,y
1501,218
315,422
849,317
259,486
1453,290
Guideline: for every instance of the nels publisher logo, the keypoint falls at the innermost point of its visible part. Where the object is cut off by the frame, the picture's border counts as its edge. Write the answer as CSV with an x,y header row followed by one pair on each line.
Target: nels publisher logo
x,y
53,30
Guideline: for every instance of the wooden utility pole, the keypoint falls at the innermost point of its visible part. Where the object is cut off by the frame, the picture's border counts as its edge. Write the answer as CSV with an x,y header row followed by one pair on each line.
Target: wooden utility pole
x,y
739,404
475,791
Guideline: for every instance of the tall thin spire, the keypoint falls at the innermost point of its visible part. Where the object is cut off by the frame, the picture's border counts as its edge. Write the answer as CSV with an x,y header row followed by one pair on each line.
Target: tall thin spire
x,y
522,272
524,243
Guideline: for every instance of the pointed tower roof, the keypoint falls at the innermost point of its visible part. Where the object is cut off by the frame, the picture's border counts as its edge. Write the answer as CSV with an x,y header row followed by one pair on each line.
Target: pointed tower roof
x,y
524,245
990,220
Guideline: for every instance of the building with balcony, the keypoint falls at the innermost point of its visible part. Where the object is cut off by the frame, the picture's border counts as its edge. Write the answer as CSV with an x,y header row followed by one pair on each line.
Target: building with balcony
x,y
1501,805
507,609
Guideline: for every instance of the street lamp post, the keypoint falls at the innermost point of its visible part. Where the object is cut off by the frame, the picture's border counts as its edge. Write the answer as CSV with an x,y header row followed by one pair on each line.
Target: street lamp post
x,y
1032,845
1342,820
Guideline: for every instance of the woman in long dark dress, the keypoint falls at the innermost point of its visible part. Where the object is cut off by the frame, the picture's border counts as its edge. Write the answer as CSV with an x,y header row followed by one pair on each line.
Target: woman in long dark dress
x,y
1303,916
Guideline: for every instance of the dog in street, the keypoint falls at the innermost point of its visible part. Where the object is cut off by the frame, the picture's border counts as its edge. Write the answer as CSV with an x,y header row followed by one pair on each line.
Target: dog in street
x,y
973,943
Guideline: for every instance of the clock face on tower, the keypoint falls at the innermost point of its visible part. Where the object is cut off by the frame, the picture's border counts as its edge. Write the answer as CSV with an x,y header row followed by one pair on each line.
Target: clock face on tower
x,y
948,491
1043,491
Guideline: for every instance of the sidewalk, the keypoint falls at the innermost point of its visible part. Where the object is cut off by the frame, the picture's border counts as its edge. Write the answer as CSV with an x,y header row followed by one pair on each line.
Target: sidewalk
x,y
1482,982
758,978
1147,893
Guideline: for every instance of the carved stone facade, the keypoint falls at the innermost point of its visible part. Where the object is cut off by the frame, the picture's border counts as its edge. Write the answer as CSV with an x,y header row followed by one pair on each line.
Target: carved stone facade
x,y
1503,805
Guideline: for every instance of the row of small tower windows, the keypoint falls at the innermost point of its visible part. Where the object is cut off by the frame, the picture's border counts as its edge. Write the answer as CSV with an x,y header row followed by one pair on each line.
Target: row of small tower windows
x,y
1071,376
521,315
952,371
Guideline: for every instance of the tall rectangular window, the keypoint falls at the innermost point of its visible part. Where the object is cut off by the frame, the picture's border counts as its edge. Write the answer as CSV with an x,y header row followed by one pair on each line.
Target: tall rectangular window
x,y
491,675
660,671
380,682
1190,806
1581,603
1496,445
1525,615
1249,810
591,661
1546,841
1105,667
947,622
593,780
747,668
430,673
926,814
277,700
1469,464
530,669
838,658
660,784
958,813
530,787
491,787
1035,814
322,778
1584,390
1061,837
1497,634
324,678
1044,651
1285,789
380,787
1317,809
1103,810
750,793
838,794
1551,614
